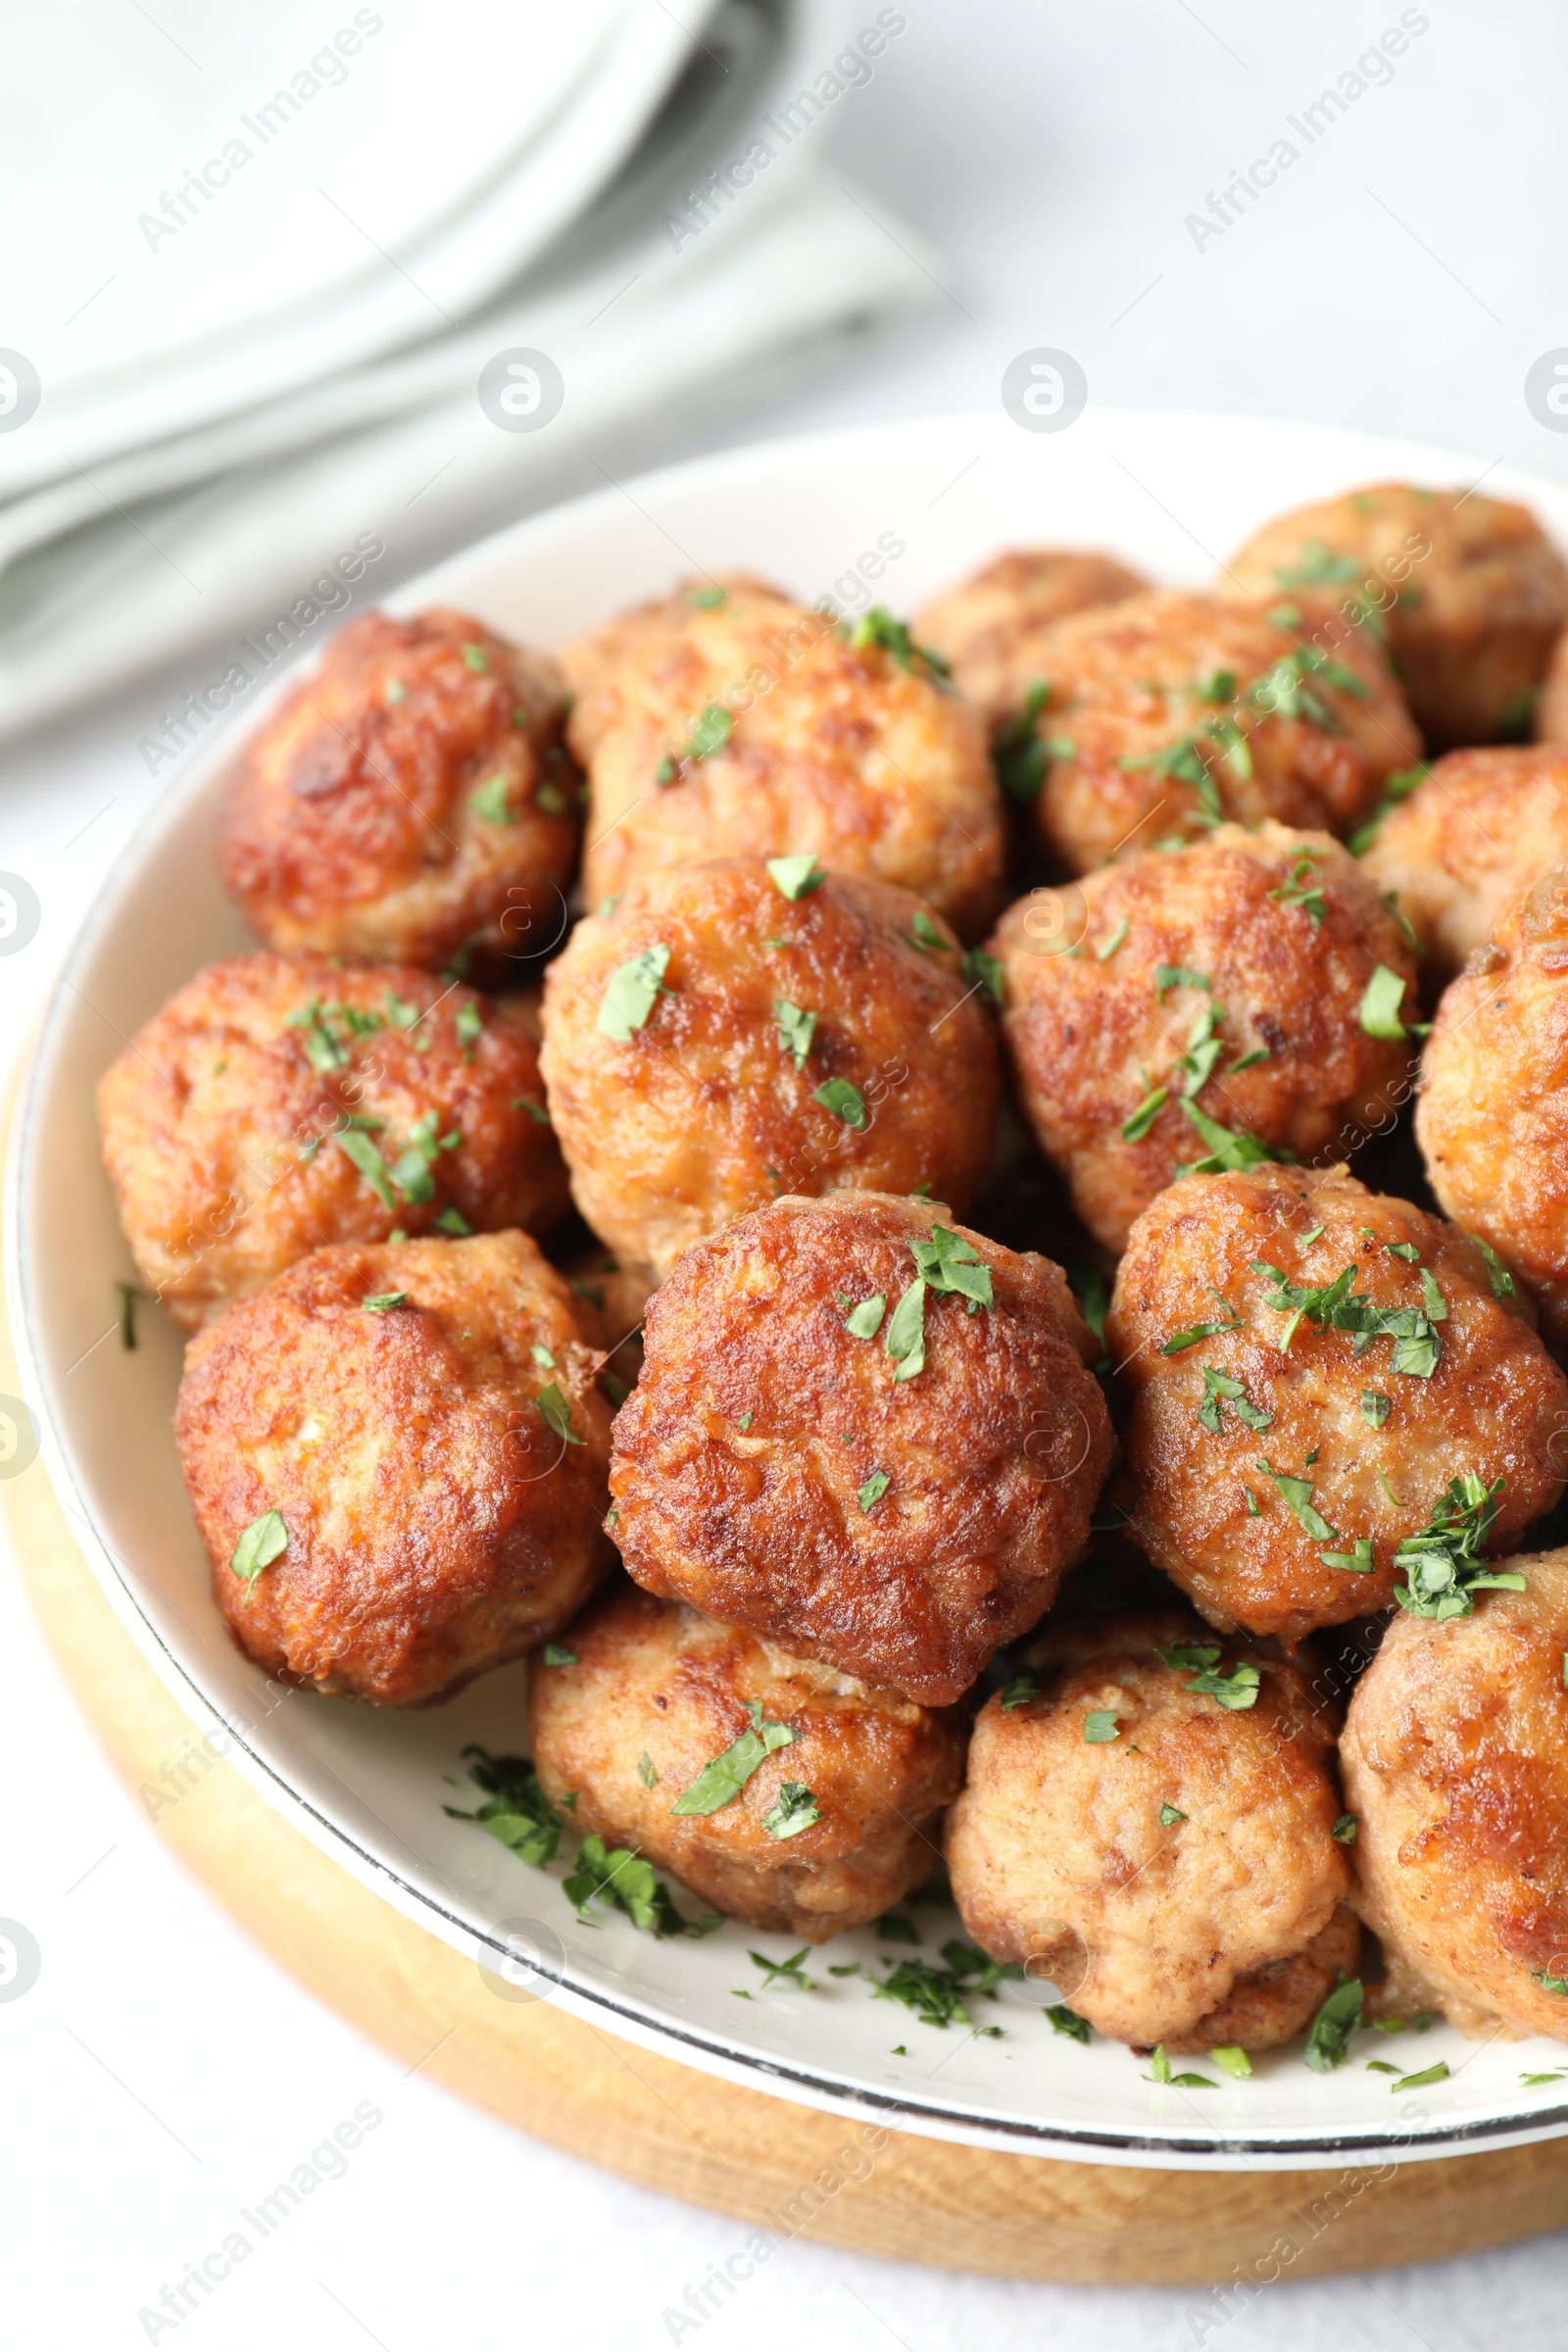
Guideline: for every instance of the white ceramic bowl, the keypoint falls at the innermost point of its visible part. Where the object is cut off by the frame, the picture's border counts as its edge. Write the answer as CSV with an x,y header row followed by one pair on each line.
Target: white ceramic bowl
x,y
883,514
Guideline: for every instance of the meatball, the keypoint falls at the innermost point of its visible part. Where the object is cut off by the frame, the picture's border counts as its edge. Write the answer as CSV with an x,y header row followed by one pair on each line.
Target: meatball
x,y
1164,1854
1223,982
1468,590
1492,1119
1455,1758
726,718
864,1434
1551,709
409,799
1309,1366
986,626
829,1829
1483,826
778,1043
396,1456
1157,718
273,1106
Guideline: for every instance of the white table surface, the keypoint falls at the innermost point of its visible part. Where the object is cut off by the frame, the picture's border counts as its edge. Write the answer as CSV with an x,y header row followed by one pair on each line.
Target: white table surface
x,y
1401,276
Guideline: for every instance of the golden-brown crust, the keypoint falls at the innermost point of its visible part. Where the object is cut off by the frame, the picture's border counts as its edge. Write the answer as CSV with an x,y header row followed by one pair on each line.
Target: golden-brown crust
x,y
704,1112
1471,592
1268,2006
1089,1034
1484,826
658,1687
992,1454
1552,708
220,1121
1140,688
1497,1404
1491,1117
437,1524
1059,1859
833,747
350,825
1455,1758
986,625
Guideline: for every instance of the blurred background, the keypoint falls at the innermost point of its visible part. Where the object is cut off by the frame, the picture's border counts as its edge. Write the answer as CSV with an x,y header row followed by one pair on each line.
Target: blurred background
x,y
282,283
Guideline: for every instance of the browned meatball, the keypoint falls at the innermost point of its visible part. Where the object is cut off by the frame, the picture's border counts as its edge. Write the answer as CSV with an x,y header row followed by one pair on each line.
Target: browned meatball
x,y
725,719
1492,1119
1481,828
1166,1856
830,1828
409,798
985,627
1156,717
275,1105
1309,1366
862,1433
1469,591
1551,709
773,1044
1225,980
1455,1758
420,1426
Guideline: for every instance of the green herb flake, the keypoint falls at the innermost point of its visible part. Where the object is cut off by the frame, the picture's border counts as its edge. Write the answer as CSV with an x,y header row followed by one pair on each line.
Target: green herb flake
x,y
634,989
1159,2071
1169,1816
708,600
618,1876
1202,1331
1399,787
468,1022
476,658
1024,1687
1219,1390
863,1322
745,1422
452,1221
516,1812
1444,1563
542,1355
1107,948
1232,2058
795,877
877,628
366,1157
791,1971
382,1303
1345,1829
793,1810
646,1771
1375,1407
489,802
711,732
871,1493
1143,1118
844,1101
894,1928
924,935
796,1028
987,973
1304,889
1504,1288
1100,1725
555,1653
720,1782
1337,2019
558,1413
1228,1151
1428,2074
1067,2021
1379,1004
265,1540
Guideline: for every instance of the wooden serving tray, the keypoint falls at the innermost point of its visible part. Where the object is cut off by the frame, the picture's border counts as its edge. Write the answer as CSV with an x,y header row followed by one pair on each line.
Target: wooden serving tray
x,y
778,2167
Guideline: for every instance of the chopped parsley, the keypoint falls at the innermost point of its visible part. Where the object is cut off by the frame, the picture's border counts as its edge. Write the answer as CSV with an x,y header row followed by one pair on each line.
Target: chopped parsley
x,y
1428,2074
987,973
894,1928
1232,2058
1143,1118
1504,1288
1375,1407
707,600
1202,1331
1345,1829
475,656
791,1970
543,1355
1017,754
878,628
363,1153
720,1782
946,1263
936,1995
515,1811
1444,1563
1219,1390
1338,2019
469,1023
411,1173
618,1876
1024,1687
871,1493
633,990
1335,1306
796,876
863,1322
555,1653
1091,1291
924,935
1379,1004
1182,763
265,1540
1100,1725
647,1771
382,1303
1169,1816
489,802
1399,787
711,732
328,1032
844,1101
796,1028
1176,975
793,1810
1235,1689
558,1413
1304,889
453,1221
1159,2071
1228,1149
1067,2021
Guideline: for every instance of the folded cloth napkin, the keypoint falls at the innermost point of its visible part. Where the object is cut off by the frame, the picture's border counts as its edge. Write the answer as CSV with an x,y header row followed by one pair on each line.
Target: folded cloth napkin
x,y
720,239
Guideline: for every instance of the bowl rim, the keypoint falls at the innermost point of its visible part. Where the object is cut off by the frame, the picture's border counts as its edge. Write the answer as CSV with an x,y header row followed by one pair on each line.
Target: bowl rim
x,y
642,2018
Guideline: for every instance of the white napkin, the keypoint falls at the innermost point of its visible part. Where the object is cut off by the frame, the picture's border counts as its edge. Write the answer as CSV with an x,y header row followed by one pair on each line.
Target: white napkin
x,y
114,563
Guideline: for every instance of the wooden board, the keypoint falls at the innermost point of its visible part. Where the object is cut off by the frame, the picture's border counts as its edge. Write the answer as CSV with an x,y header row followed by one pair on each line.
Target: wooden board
x,y
773,2165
